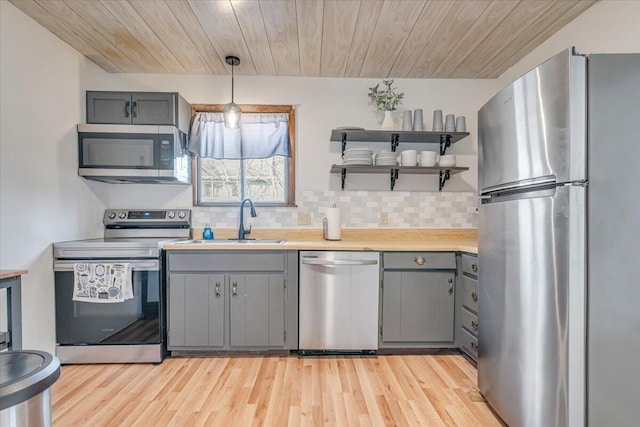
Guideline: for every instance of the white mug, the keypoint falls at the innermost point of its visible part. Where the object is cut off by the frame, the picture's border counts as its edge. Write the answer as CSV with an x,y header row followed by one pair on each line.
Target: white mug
x,y
428,158
409,157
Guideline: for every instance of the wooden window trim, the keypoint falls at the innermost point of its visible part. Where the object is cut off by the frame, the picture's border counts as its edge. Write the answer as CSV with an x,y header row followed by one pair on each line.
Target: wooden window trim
x,y
253,108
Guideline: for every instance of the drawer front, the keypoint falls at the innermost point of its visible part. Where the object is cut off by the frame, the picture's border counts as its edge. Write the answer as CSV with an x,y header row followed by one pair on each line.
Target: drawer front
x,y
470,264
470,293
469,344
227,261
420,260
470,322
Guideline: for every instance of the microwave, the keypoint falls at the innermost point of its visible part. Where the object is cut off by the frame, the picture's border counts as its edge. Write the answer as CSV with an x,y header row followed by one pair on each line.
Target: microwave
x,y
133,154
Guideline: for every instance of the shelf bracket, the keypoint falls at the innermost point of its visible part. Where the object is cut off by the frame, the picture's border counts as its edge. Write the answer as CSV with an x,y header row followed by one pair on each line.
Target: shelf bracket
x,y
344,144
394,178
445,142
395,141
343,176
444,177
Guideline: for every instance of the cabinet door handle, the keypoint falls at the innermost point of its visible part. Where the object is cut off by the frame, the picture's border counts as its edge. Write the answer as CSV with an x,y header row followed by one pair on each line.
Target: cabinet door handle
x,y
474,296
217,289
474,325
450,287
419,260
234,290
474,267
134,109
126,108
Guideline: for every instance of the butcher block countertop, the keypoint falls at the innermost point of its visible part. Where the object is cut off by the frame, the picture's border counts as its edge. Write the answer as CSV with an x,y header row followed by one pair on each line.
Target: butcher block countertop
x,y
353,239
8,274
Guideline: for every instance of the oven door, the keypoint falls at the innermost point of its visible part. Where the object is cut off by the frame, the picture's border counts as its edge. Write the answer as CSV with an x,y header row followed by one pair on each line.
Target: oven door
x,y
135,321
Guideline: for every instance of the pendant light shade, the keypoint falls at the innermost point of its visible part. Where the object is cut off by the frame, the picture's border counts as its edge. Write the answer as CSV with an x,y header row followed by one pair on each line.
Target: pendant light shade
x,y
232,110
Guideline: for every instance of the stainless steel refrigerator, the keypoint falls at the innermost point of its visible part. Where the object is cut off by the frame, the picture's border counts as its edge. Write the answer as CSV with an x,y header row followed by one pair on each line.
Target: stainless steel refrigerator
x,y
559,276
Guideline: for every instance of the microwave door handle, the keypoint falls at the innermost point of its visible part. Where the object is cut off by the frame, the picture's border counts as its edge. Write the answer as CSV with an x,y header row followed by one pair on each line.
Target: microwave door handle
x,y
126,109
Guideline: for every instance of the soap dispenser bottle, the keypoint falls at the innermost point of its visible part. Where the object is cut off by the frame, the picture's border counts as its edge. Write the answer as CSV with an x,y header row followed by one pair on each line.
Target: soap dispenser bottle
x,y
207,234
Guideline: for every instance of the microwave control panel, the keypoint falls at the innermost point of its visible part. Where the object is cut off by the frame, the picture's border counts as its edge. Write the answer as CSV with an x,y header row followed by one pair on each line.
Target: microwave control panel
x,y
166,154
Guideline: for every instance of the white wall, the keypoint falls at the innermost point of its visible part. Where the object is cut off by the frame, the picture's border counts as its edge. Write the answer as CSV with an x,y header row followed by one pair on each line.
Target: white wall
x,y
323,104
42,199
606,27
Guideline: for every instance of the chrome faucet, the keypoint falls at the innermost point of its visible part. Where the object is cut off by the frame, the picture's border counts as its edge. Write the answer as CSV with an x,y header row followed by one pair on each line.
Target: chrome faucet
x,y
241,230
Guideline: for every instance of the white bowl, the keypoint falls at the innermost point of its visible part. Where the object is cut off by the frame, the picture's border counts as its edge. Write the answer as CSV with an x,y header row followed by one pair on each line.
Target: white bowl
x,y
448,160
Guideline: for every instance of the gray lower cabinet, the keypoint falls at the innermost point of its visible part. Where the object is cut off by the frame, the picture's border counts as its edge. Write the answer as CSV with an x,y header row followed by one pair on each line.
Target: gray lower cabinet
x,y
197,310
224,300
417,300
467,334
137,108
257,310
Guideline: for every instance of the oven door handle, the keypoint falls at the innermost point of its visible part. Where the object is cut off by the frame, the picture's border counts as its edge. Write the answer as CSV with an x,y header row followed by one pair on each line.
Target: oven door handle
x,y
135,265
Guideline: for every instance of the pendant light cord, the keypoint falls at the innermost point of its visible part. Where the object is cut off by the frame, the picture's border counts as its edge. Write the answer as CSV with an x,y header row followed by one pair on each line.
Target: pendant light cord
x,y
232,83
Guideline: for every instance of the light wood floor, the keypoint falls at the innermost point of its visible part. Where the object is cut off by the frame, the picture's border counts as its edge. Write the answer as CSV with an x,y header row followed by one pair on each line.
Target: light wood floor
x,y
416,390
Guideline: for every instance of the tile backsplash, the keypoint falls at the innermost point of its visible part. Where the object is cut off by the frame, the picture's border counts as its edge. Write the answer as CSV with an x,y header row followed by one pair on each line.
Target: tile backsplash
x,y
359,209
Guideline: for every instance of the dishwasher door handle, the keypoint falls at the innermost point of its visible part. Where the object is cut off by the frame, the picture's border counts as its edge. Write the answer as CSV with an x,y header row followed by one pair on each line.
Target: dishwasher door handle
x,y
338,262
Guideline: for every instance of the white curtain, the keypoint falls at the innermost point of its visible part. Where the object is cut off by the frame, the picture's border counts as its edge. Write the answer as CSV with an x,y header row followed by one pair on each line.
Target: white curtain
x,y
259,136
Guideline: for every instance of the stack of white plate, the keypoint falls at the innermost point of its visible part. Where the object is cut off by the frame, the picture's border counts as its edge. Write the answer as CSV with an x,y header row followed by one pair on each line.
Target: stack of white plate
x,y
387,158
357,156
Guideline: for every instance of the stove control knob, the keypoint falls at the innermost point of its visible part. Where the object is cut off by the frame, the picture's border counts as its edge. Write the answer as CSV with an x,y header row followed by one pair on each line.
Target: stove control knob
x,y
122,215
182,214
171,214
112,215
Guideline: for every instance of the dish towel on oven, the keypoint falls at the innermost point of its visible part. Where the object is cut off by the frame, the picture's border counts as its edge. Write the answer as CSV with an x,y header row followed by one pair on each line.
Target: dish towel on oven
x,y
102,282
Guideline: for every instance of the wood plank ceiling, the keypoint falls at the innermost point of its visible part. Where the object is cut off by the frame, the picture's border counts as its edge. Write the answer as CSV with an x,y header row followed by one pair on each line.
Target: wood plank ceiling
x,y
329,38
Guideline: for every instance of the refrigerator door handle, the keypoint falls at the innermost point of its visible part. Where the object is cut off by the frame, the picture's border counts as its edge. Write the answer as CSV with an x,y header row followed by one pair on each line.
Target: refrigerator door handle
x,y
518,185
528,193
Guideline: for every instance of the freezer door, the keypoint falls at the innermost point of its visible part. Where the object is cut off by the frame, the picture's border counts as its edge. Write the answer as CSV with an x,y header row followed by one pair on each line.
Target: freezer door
x,y
531,307
533,131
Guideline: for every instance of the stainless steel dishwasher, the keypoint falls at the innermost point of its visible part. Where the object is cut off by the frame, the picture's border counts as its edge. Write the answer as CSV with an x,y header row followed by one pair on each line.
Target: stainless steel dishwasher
x,y
338,302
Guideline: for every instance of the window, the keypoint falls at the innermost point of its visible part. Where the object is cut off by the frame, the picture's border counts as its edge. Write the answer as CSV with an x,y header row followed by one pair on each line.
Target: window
x,y
223,174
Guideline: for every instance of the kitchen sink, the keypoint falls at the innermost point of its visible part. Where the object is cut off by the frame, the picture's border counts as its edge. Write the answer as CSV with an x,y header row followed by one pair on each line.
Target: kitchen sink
x,y
234,241
259,241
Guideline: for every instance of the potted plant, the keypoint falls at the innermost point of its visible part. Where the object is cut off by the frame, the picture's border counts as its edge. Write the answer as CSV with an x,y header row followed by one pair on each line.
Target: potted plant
x,y
386,99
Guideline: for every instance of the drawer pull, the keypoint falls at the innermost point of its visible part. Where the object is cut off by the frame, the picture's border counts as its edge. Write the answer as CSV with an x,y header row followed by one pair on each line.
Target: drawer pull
x,y
474,325
217,289
474,346
234,290
419,260
450,287
474,296
474,267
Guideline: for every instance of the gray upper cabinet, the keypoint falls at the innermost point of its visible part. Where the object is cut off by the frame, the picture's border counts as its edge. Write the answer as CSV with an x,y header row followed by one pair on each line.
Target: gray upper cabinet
x,y
138,108
109,107
226,300
418,299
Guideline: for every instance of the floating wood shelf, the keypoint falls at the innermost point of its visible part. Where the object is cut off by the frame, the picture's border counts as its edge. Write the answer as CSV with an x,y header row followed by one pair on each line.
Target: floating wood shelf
x,y
394,171
395,137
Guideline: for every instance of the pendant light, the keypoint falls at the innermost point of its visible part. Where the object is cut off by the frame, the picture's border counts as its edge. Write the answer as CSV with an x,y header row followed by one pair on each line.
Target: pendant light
x,y
232,110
